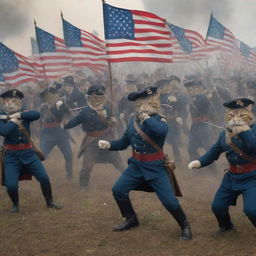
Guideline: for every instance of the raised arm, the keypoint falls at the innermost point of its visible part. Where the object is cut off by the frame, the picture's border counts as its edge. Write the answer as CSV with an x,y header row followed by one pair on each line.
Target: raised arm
x,y
75,121
30,115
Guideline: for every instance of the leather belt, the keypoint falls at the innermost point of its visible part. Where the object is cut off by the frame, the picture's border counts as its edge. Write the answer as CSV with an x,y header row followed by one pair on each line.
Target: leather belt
x,y
20,146
239,169
147,157
52,125
97,133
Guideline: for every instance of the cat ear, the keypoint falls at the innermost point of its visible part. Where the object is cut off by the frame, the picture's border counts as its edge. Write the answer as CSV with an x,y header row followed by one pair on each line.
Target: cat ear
x,y
249,108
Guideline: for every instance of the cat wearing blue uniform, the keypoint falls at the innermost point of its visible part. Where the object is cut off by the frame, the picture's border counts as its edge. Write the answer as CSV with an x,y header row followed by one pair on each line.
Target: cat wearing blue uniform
x,y
20,157
238,142
146,165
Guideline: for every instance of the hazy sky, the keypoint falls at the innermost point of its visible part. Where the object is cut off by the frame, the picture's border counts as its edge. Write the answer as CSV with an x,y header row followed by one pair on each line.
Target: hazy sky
x,y
16,16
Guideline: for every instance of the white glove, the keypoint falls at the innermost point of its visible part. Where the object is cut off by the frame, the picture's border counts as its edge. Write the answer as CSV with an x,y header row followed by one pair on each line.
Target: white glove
x,y
179,120
103,144
59,103
143,116
172,98
15,115
194,165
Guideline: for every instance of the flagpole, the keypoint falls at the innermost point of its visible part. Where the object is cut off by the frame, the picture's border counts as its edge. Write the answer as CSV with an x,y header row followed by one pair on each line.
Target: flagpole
x,y
45,76
109,70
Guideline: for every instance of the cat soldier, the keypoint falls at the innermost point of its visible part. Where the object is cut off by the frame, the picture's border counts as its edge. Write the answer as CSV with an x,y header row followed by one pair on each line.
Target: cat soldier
x,y
238,142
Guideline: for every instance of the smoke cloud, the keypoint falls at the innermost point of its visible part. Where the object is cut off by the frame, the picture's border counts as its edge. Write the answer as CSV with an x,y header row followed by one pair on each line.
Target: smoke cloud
x,y
13,17
192,14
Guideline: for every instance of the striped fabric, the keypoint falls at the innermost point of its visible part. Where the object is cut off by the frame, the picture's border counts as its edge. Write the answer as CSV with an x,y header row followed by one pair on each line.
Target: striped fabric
x,y
53,55
221,37
86,49
136,36
233,51
189,45
16,69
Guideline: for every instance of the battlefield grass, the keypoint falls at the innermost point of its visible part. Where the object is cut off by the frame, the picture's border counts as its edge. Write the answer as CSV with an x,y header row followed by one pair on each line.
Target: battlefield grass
x,y
83,227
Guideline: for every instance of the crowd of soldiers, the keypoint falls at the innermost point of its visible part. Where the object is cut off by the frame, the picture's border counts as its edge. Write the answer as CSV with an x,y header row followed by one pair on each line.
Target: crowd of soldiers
x,y
191,106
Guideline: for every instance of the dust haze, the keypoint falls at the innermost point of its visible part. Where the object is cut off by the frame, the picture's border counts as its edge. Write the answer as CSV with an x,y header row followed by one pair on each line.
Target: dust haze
x,y
13,17
193,14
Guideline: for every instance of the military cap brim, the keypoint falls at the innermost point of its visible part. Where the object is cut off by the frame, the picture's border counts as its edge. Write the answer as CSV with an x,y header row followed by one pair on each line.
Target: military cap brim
x,y
96,90
174,78
193,82
69,80
12,93
238,103
143,94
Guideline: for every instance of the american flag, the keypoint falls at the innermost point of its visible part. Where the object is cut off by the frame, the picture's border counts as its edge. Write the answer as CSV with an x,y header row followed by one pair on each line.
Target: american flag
x,y
53,54
219,36
248,55
232,50
87,50
189,45
16,69
136,36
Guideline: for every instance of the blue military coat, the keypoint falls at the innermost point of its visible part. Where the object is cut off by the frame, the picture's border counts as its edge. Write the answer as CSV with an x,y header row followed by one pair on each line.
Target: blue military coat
x,y
157,130
246,141
12,135
89,119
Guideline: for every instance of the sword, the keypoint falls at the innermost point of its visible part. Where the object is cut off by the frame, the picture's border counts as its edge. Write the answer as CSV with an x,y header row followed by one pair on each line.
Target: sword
x,y
214,125
74,109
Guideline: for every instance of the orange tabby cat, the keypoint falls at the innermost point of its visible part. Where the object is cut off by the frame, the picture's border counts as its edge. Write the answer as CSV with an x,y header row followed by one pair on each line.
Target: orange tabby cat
x,y
238,120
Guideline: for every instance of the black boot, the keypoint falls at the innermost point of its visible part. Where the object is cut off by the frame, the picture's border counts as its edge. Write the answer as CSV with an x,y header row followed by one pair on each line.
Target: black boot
x,y
14,196
127,211
253,220
225,224
180,217
47,192
54,206
84,178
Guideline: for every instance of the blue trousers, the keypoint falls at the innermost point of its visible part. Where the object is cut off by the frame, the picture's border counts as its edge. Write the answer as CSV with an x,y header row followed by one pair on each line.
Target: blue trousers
x,y
226,197
199,136
49,140
14,168
161,185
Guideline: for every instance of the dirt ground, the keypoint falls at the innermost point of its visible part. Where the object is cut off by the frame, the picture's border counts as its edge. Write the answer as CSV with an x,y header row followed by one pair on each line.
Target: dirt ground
x,y
83,227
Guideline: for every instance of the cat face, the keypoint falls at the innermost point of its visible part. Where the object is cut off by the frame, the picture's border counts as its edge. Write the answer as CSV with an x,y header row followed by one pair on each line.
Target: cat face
x,y
12,105
97,101
238,117
150,105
